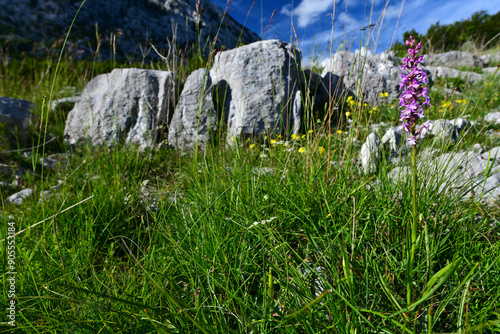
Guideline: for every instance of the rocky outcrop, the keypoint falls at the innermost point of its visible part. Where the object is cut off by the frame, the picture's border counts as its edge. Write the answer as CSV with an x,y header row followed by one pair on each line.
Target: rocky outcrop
x,y
125,26
394,140
493,117
366,76
194,122
467,173
129,104
258,84
15,116
454,59
491,60
447,72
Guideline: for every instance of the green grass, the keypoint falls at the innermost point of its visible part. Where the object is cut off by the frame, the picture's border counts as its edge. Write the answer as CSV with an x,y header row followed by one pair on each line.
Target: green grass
x,y
222,243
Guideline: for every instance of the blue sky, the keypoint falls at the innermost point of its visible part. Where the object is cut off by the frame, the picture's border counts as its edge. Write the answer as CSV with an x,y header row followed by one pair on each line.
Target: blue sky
x,y
312,20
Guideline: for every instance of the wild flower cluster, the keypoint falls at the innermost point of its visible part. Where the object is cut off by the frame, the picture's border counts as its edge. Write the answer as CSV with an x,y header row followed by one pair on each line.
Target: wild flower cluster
x,y
414,98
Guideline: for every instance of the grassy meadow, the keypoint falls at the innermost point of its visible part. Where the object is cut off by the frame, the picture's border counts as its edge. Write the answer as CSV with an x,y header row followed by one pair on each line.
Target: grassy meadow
x,y
285,235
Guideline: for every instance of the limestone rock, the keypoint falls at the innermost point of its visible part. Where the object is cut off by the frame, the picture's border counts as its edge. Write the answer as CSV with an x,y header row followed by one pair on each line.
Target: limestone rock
x,y
367,75
453,59
258,83
395,141
130,104
194,122
493,117
19,197
447,72
369,153
491,60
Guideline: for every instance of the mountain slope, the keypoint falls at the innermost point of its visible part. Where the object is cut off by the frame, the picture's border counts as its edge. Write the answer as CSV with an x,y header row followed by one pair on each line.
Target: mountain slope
x,y
134,22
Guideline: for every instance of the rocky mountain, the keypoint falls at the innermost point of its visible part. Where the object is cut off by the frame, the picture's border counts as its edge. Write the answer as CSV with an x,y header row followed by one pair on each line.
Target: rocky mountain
x,y
133,23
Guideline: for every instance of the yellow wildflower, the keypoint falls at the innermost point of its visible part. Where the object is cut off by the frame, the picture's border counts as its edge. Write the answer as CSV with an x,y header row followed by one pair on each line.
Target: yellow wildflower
x,y
310,131
273,141
302,150
303,136
339,132
321,150
347,114
252,145
295,137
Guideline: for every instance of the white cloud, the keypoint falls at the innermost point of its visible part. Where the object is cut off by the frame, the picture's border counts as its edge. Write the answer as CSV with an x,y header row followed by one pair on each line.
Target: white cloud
x,y
307,11
287,9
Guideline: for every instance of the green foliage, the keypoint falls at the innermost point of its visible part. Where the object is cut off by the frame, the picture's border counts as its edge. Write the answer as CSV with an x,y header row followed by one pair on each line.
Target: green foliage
x,y
477,32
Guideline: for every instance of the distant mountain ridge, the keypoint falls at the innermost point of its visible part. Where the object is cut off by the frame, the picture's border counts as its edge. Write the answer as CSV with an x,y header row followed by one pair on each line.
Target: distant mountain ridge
x,y
134,22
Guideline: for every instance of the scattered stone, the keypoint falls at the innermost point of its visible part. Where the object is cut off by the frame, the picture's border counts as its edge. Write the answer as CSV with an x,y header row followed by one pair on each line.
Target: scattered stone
x,y
19,197
493,117
394,140
369,153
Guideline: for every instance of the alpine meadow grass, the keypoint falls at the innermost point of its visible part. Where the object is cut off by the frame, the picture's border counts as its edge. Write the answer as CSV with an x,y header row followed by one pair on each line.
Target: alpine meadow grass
x,y
278,235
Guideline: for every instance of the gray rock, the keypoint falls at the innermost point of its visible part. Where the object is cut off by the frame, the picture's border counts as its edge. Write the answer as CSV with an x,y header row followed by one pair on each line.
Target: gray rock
x,y
260,81
490,70
453,59
491,60
394,140
194,122
19,197
370,153
132,23
447,72
493,117
15,115
130,104
477,148
493,154
446,130
365,75
489,191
